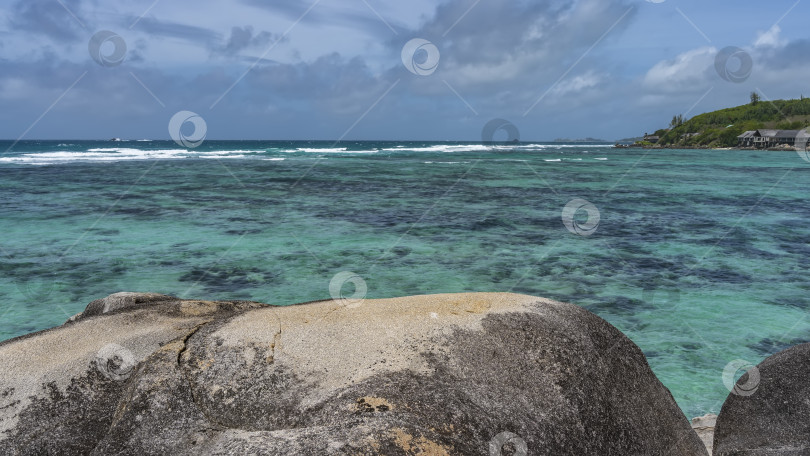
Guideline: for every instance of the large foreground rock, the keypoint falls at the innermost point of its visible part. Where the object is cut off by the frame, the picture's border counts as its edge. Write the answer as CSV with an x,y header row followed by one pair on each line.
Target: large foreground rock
x,y
771,415
446,374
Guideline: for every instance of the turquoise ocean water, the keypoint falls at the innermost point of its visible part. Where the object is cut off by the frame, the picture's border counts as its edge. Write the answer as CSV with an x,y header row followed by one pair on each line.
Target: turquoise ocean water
x,y
700,257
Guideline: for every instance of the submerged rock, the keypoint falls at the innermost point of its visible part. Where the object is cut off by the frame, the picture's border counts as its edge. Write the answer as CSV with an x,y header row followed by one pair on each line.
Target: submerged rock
x,y
483,373
769,413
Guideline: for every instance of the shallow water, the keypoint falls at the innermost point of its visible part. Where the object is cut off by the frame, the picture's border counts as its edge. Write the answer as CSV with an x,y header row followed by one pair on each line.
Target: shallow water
x,y
700,257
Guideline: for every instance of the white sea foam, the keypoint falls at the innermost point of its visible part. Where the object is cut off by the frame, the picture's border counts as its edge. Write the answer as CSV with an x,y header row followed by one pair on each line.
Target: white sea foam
x,y
320,149
112,149
220,156
442,148
225,152
484,147
115,154
331,150
447,163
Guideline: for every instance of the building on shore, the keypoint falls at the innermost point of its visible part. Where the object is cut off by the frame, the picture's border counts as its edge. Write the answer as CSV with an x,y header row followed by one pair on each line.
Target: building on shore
x,y
763,139
651,138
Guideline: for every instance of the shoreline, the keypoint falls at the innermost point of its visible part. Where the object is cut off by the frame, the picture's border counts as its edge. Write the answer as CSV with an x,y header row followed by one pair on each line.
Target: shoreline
x,y
770,149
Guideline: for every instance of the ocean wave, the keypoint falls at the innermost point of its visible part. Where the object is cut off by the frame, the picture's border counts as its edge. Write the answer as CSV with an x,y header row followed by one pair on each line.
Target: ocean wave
x,y
115,154
485,147
441,148
446,163
332,150
221,156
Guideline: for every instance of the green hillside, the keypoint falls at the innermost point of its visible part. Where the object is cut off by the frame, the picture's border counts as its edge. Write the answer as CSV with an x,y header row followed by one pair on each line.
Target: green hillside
x,y
721,128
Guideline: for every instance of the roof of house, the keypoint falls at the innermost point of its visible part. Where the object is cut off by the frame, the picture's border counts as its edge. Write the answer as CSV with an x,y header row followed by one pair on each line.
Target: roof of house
x,y
747,134
776,133
787,133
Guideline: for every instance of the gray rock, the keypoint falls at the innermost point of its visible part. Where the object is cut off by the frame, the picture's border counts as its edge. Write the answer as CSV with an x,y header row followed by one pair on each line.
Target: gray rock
x,y
704,426
772,416
442,374
121,301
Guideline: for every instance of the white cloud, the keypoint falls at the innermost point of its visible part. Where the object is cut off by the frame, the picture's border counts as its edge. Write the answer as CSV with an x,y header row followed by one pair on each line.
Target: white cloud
x,y
577,84
684,72
770,38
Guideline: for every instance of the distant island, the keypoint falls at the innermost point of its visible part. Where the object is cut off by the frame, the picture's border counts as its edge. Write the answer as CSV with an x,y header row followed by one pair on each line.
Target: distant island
x,y
758,124
569,140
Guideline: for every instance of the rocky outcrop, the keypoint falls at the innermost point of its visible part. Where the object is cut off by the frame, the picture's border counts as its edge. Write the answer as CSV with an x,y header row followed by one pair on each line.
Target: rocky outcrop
x,y
121,301
769,411
444,374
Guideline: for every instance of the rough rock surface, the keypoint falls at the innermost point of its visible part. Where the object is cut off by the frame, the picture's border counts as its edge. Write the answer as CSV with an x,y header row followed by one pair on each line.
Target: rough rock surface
x,y
772,416
481,373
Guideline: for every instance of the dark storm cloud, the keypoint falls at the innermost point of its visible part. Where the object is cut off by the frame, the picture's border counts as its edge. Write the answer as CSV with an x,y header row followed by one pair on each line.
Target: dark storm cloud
x,y
329,75
289,8
792,55
202,36
243,38
47,17
325,13
516,40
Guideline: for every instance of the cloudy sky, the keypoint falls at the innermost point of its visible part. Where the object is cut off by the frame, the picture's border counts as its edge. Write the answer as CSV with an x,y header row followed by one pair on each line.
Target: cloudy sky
x,y
329,69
